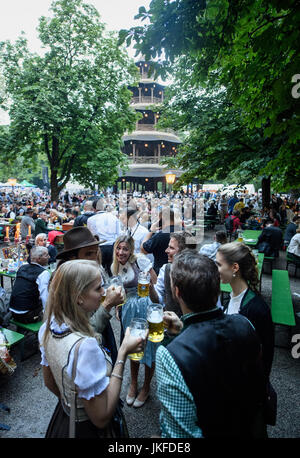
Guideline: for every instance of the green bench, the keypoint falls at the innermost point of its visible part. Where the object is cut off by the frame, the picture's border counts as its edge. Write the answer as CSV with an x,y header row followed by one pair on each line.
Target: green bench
x,y
291,260
31,328
12,337
282,309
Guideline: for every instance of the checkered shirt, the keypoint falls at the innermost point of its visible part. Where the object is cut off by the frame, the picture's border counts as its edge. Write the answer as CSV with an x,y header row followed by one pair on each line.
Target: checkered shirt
x,y
178,416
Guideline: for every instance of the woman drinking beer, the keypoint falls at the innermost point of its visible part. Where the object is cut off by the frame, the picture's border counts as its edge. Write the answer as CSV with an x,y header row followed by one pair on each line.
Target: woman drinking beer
x,y
128,266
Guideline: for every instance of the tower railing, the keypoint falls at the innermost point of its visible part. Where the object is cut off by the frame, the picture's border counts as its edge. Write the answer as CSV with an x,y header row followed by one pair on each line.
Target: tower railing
x,y
146,99
144,159
152,127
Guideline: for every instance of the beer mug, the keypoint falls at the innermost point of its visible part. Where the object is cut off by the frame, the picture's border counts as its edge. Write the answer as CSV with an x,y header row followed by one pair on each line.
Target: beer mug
x,y
143,284
105,286
117,281
155,322
240,236
138,328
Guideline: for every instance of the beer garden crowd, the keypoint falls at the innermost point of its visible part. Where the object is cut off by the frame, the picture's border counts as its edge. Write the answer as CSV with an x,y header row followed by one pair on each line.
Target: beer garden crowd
x,y
138,235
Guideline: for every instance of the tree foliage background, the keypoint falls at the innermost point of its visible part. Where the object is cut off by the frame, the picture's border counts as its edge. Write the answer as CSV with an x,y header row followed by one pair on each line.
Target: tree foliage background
x,y
72,102
233,65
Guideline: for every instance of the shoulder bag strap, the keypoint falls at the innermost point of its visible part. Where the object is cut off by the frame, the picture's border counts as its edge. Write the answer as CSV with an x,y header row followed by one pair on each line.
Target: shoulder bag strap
x,y
73,400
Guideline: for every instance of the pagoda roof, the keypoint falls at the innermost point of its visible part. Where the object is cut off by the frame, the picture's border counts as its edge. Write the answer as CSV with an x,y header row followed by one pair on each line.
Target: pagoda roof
x,y
151,136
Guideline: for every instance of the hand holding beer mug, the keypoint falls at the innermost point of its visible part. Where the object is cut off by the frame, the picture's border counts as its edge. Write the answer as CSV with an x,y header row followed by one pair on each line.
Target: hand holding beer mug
x,y
143,284
105,287
155,321
138,328
112,296
172,322
117,281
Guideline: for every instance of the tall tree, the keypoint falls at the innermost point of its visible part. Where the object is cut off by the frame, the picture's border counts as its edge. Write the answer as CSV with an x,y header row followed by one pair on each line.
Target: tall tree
x,y
72,102
249,47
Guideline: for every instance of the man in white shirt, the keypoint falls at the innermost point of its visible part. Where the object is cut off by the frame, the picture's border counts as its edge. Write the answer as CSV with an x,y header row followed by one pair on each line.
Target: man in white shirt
x,y
294,246
106,226
161,291
131,224
30,290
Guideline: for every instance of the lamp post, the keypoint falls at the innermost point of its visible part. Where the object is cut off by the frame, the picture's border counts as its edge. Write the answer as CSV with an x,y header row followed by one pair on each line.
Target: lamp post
x,y
12,182
170,179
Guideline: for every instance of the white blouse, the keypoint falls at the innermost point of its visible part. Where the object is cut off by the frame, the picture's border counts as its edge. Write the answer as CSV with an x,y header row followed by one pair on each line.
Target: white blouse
x,y
235,303
90,378
126,271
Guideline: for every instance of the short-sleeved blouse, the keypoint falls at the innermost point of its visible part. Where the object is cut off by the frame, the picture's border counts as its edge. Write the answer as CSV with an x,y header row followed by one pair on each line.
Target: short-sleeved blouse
x,y
90,379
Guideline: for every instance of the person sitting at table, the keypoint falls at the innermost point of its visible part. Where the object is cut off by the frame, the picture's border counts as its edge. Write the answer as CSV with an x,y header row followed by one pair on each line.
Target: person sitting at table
x,y
41,224
294,246
270,240
210,249
30,290
291,230
41,240
26,223
237,266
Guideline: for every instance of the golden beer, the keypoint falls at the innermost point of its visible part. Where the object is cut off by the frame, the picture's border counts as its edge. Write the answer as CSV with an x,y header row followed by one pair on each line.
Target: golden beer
x,y
136,356
143,288
155,323
143,284
138,328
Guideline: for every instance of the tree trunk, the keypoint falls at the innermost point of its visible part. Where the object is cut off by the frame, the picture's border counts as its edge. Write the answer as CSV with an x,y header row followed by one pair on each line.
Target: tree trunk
x,y
54,186
55,190
266,191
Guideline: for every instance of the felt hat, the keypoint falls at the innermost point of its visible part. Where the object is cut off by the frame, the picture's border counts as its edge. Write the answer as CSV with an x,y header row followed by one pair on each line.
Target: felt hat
x,y
75,238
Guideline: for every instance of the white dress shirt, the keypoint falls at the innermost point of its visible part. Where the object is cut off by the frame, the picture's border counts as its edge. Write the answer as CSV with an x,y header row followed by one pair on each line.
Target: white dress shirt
x,y
294,246
106,226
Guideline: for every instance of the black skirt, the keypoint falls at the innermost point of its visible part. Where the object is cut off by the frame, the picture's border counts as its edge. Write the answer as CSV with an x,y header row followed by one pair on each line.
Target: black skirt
x,y
59,426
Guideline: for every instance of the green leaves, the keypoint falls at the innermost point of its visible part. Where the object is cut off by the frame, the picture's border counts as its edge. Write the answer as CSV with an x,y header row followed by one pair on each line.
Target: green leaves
x,y
72,102
250,48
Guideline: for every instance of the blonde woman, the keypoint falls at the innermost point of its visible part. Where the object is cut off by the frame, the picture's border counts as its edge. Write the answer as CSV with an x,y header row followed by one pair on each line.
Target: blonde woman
x,y
75,292
127,265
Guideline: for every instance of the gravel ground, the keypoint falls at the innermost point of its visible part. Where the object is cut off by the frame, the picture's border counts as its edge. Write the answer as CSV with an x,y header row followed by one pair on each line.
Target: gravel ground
x,y
31,404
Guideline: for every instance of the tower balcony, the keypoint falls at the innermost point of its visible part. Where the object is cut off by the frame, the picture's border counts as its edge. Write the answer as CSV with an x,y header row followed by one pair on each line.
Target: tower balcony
x,y
152,128
147,99
145,159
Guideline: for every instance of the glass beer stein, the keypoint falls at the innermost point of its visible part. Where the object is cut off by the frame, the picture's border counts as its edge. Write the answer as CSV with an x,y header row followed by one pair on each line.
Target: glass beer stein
x,y
155,322
138,328
143,284
117,281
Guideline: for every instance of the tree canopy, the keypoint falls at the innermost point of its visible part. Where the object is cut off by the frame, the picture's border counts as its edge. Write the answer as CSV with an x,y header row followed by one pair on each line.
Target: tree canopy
x,y
244,55
72,102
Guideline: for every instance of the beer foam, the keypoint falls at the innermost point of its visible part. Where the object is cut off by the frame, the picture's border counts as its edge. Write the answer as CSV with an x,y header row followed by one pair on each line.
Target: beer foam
x,y
138,332
155,317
